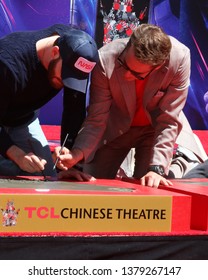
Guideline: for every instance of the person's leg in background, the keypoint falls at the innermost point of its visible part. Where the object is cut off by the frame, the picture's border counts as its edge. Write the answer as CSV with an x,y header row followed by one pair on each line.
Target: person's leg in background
x,y
199,171
186,162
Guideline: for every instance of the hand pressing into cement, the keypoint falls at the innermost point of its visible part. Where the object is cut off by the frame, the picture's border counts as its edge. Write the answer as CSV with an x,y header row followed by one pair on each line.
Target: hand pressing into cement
x,y
73,173
152,179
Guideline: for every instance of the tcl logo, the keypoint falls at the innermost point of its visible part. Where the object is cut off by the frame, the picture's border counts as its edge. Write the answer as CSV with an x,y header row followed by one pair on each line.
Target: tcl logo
x,y
41,212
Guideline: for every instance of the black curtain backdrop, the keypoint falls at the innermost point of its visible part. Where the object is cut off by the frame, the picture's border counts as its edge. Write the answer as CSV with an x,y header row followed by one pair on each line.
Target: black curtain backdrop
x,y
105,248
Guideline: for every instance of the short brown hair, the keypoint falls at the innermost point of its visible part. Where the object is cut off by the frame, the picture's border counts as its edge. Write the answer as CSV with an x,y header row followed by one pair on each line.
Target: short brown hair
x,y
152,45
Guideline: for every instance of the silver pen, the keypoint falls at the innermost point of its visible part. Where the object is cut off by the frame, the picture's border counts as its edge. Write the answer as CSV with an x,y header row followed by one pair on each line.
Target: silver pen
x,y
61,150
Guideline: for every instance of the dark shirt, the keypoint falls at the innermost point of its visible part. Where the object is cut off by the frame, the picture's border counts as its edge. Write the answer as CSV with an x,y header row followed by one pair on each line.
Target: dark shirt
x,y
23,79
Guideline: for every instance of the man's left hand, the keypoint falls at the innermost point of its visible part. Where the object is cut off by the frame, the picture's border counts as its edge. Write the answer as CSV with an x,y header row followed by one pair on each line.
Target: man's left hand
x,y
152,179
73,173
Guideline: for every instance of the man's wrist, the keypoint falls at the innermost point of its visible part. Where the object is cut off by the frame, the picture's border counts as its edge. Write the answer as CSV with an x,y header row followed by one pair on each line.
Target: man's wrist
x,y
159,169
78,154
15,154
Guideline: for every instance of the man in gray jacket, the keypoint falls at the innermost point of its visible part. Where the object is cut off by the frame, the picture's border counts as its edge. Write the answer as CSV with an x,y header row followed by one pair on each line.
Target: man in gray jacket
x,y
138,91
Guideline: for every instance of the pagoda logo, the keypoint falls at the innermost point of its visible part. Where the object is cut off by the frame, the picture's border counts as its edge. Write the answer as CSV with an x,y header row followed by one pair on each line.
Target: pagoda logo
x,y
9,214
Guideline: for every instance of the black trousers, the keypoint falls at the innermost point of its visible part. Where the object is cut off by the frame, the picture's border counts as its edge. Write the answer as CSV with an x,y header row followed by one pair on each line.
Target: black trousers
x,y
200,171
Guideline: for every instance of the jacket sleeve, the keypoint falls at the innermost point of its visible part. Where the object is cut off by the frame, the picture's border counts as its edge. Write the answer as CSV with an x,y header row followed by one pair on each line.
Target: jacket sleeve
x,y
166,116
5,142
5,96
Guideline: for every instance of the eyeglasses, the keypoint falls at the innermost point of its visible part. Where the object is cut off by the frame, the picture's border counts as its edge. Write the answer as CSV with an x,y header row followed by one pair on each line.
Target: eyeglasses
x,y
134,73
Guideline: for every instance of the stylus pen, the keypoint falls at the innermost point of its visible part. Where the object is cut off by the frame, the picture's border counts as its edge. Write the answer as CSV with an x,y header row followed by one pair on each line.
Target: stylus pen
x,y
61,150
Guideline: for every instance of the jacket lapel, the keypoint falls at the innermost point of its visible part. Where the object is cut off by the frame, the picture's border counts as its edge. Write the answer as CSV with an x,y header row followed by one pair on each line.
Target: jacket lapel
x,y
154,84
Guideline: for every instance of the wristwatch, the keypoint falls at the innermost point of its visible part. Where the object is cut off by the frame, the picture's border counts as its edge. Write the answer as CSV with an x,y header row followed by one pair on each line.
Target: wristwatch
x,y
157,169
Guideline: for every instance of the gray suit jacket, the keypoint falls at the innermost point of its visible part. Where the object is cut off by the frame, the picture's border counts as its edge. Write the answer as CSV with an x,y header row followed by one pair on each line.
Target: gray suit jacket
x,y
113,104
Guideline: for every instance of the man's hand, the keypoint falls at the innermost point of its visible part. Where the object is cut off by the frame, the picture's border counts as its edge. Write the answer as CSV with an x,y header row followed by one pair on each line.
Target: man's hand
x,y
67,158
152,179
56,153
27,162
75,174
